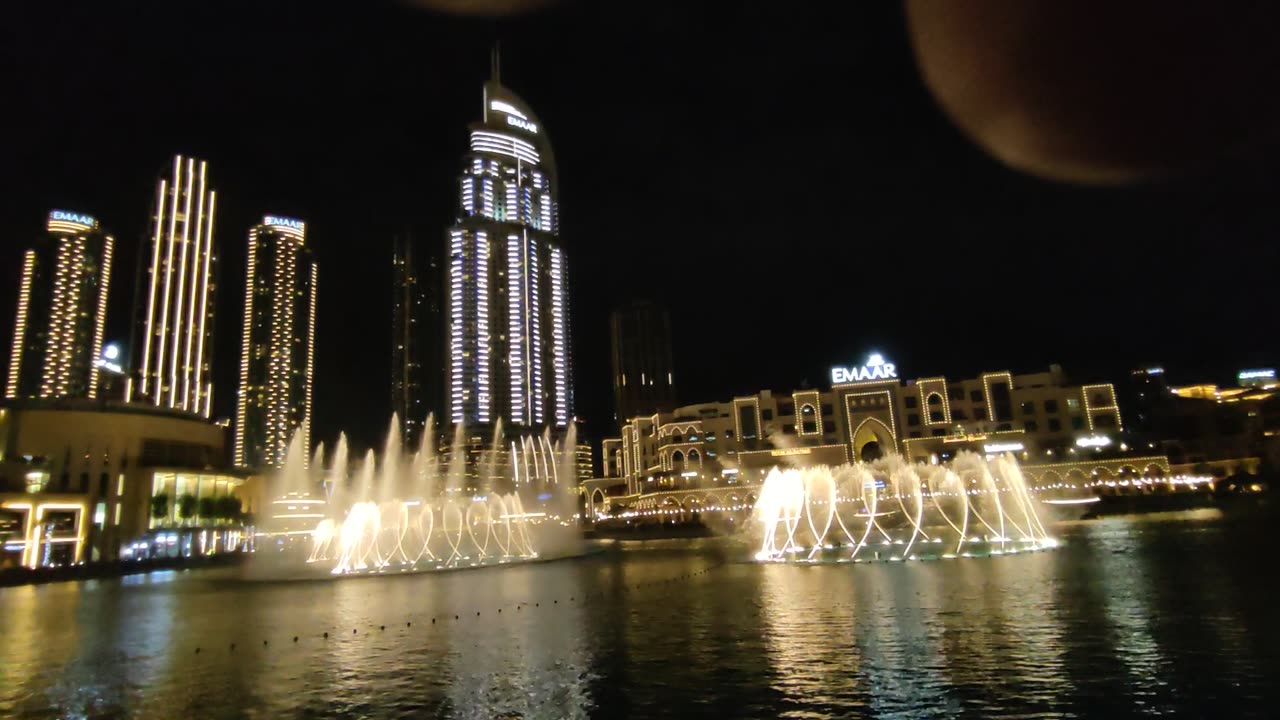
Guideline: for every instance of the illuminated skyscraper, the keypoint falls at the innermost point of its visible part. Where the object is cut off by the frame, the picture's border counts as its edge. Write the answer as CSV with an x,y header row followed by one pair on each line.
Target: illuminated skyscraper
x,y
62,310
176,296
278,354
508,290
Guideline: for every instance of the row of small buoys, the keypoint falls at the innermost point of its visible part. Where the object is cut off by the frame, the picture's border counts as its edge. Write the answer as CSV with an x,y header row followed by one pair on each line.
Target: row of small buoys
x,y
519,606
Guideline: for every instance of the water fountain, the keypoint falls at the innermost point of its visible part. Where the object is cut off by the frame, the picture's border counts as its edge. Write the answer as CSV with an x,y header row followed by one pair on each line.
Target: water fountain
x,y
413,512
893,510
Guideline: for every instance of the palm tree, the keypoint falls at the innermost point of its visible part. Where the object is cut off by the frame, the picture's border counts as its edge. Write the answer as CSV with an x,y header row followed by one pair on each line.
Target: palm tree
x,y
160,506
187,507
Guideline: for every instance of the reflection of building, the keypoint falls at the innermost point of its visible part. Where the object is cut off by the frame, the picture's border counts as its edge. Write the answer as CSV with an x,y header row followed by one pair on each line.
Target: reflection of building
x,y
99,467
640,346
174,349
414,314
62,309
278,351
508,291
868,412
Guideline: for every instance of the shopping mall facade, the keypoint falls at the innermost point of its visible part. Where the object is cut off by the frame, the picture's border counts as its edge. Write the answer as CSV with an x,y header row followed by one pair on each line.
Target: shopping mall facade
x,y
1058,430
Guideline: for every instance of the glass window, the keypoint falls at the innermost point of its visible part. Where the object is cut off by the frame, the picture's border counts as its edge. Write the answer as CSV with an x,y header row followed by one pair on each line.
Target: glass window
x,y
956,393
979,413
1108,420
938,432
827,410
913,419
1055,424
766,414
828,426
1051,406
959,414
975,395
1077,422
1073,403
909,401
934,399
1028,408
915,433
1031,426
936,416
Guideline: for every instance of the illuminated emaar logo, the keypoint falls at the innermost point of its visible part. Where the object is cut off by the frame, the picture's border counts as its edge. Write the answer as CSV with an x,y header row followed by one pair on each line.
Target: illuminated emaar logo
x,y
875,369
1260,374
64,216
276,221
1093,441
522,124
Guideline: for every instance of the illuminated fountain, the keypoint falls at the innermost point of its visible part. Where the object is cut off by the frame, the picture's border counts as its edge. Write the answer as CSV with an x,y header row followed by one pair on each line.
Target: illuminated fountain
x,y
892,510
408,512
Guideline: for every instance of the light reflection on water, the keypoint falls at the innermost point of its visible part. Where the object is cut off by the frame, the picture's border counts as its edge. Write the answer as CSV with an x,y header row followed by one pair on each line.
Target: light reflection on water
x,y
1159,615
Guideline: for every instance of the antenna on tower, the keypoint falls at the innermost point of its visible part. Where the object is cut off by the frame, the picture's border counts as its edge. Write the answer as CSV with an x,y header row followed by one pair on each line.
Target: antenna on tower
x,y
495,62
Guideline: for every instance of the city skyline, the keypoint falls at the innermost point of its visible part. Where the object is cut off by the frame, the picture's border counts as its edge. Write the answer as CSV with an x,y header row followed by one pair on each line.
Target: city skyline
x,y
935,227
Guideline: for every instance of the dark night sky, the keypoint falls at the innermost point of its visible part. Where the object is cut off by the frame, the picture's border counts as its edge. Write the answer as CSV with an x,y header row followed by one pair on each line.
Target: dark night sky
x,y
776,175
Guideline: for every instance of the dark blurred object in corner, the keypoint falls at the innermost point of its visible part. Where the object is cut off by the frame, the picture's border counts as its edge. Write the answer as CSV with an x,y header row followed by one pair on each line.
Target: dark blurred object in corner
x,y
483,8
1104,92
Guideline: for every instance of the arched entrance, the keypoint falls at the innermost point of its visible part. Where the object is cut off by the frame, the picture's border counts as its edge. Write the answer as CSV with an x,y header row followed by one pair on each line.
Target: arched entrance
x,y
872,440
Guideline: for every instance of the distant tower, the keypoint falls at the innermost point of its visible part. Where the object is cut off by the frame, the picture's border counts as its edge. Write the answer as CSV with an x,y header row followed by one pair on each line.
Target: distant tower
x,y
408,326
176,301
278,355
640,344
507,273
62,310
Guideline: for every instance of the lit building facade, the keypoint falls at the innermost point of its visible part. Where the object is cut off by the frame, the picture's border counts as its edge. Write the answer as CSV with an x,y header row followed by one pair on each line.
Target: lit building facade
x,y
277,356
82,480
507,329
867,412
174,350
62,310
640,349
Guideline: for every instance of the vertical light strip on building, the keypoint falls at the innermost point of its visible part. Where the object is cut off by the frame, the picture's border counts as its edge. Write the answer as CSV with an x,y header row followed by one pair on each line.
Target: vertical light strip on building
x,y
144,374
311,359
204,305
558,338
534,342
100,319
456,360
176,298
20,322
515,328
246,348
192,301
482,326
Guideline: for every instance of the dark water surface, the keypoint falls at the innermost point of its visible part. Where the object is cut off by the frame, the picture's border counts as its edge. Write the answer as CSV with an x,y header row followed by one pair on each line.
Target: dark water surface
x,y
1172,615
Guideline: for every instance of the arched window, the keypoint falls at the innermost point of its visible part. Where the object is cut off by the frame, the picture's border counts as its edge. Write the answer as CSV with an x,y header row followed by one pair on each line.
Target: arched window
x,y
808,420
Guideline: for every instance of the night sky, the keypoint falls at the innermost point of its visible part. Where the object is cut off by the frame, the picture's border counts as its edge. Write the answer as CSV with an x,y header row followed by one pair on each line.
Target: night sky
x,y
778,176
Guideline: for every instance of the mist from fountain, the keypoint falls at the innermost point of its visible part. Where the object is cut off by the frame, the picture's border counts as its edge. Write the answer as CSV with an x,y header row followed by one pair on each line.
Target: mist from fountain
x,y
413,511
893,510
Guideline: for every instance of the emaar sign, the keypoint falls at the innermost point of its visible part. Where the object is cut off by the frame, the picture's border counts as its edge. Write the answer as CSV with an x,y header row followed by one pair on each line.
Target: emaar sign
x,y
875,369
284,222
64,216
522,124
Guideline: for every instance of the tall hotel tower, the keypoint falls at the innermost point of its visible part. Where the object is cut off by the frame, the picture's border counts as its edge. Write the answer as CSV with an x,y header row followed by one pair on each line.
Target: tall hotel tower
x,y
176,296
62,310
508,301
278,354
408,308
